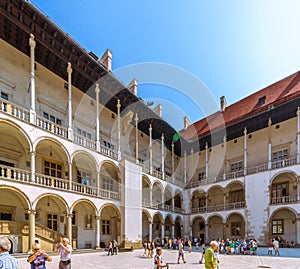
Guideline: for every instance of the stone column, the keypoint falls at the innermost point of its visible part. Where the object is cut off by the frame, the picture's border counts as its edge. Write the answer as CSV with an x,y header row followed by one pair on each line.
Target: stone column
x,y
173,230
136,139
298,229
206,233
173,204
119,130
31,235
206,160
269,144
191,232
70,121
298,135
225,159
69,227
97,91
245,151
32,117
163,156
98,183
162,231
70,176
32,166
150,150
184,175
98,232
173,162
150,230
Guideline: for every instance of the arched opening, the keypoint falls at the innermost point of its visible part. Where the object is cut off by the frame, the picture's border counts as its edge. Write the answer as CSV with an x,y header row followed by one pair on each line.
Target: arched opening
x,y
215,198
199,202
235,226
157,195
110,224
168,226
215,228
84,173
146,192
168,196
283,189
178,207
156,227
83,224
283,226
145,225
198,229
178,228
109,181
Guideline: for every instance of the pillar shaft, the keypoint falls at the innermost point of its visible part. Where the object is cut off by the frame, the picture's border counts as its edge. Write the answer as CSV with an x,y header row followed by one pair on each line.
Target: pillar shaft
x,y
206,160
32,166
269,144
150,150
70,116
97,91
32,79
136,139
298,135
119,130
97,232
31,237
245,151
69,227
163,156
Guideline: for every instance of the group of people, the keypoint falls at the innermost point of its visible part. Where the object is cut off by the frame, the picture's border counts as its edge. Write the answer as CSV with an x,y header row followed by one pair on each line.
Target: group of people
x,y
238,246
38,258
112,247
208,254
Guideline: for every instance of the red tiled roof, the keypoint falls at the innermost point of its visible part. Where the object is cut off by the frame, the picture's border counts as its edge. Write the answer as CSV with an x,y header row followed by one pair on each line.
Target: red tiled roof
x,y
275,94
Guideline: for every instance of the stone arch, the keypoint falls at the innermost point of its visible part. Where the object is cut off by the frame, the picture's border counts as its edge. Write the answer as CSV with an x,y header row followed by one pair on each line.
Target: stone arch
x,y
157,221
284,188
215,224
215,196
26,202
198,200
178,199
34,204
84,169
146,191
168,197
235,192
283,225
110,223
178,227
198,228
146,220
157,193
84,212
168,225
235,226
110,177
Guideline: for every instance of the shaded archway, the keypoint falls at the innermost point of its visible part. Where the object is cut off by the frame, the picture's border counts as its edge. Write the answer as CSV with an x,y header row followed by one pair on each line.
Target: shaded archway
x,y
156,227
215,228
110,181
168,226
235,226
146,191
198,202
110,224
178,227
83,224
283,225
146,220
215,198
168,198
157,195
198,228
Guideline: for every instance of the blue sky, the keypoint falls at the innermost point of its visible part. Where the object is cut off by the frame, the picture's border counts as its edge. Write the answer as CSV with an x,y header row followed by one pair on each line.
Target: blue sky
x,y
233,47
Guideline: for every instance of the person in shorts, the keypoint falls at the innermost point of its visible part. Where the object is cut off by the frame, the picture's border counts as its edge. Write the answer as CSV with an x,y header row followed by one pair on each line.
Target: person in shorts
x,y
180,251
158,263
202,252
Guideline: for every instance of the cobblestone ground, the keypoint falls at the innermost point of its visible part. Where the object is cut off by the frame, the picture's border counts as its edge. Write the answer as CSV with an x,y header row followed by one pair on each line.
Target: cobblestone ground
x,y
288,259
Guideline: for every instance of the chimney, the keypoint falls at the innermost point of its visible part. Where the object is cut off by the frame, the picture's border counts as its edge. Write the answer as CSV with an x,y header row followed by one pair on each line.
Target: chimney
x,y
158,110
222,103
106,59
186,122
133,86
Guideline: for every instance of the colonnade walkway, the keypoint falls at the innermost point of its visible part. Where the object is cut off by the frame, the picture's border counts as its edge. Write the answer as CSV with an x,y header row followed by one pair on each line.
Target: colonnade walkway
x,y
289,258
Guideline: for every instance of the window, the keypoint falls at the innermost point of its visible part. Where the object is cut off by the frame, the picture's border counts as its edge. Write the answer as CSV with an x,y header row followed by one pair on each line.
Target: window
x,y
52,169
201,176
236,228
4,96
277,226
107,183
84,177
238,166
51,118
279,190
108,145
261,100
6,216
280,155
74,218
202,202
52,221
84,133
236,196
105,226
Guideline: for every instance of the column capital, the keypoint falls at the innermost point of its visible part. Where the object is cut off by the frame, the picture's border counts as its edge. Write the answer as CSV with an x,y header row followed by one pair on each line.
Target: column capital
x,y
97,89
69,215
206,145
172,145
224,139
298,110
192,151
245,130
97,217
118,104
162,137
269,122
32,42
31,211
136,117
69,68
150,127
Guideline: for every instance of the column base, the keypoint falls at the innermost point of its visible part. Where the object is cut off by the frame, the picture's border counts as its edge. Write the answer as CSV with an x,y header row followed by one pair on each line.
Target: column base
x,y
32,116
70,133
98,248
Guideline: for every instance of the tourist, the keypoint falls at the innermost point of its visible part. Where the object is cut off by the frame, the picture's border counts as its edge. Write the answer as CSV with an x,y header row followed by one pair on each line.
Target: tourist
x,y
65,250
152,247
158,263
211,261
114,246
189,243
38,258
180,251
270,247
202,253
110,248
6,260
276,246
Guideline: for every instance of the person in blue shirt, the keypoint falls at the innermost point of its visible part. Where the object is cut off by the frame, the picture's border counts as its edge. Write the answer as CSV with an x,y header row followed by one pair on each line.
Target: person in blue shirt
x,y
38,258
6,260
